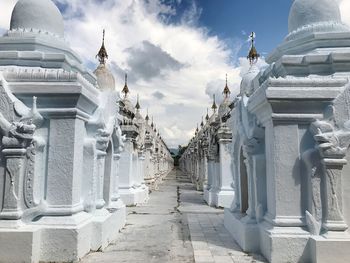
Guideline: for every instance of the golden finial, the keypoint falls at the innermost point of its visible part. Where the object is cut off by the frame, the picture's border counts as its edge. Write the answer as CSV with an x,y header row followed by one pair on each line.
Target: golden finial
x,y
137,106
126,88
253,55
102,54
214,107
226,91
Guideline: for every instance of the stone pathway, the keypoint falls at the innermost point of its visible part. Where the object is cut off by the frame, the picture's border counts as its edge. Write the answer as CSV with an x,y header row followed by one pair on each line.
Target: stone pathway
x,y
174,226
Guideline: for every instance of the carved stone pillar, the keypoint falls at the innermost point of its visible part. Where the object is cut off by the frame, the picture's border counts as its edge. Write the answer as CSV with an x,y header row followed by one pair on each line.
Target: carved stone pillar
x,y
225,194
15,164
255,164
101,157
333,216
225,138
211,173
116,196
126,180
141,172
205,168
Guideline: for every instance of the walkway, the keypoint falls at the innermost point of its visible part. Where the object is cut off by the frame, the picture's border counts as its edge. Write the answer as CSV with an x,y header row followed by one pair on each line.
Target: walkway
x,y
161,231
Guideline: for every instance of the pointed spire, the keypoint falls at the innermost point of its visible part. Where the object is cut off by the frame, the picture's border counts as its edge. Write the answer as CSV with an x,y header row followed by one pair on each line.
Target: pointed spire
x,y
226,91
253,55
207,116
152,124
102,54
214,107
126,88
202,123
197,130
137,106
147,117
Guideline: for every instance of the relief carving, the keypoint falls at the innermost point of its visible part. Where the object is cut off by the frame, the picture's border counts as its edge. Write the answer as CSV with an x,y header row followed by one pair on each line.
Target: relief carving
x,y
332,144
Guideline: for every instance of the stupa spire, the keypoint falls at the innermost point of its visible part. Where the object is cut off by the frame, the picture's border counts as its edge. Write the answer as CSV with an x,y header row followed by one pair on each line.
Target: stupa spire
x,y
253,55
137,106
126,88
102,54
147,117
214,106
207,116
226,91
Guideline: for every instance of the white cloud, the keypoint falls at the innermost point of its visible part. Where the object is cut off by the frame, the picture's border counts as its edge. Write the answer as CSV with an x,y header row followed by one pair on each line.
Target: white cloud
x,y
6,7
345,10
182,69
180,61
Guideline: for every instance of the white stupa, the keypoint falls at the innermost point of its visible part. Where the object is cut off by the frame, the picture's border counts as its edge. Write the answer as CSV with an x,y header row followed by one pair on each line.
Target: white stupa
x,y
318,20
313,12
37,15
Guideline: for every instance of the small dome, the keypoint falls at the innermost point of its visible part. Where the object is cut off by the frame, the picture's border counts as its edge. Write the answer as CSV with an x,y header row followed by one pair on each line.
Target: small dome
x,y
105,79
40,15
308,12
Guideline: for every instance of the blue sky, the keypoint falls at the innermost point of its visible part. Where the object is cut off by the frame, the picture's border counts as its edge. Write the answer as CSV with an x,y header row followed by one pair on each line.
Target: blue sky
x,y
231,19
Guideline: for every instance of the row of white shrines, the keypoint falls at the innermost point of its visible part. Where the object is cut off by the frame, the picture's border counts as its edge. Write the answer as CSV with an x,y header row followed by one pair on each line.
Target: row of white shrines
x,y
73,153
276,157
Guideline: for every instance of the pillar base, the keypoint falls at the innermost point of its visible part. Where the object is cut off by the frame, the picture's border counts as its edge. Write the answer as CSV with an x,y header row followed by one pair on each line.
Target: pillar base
x,y
20,245
208,197
330,248
284,244
224,198
134,196
245,232
106,226
65,238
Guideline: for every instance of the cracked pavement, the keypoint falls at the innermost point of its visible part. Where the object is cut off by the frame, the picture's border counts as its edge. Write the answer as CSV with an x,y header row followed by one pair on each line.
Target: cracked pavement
x,y
174,226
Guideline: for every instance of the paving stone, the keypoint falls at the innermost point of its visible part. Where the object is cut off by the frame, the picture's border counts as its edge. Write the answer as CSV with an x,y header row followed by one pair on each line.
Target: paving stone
x,y
200,245
206,253
203,259
218,251
156,233
223,259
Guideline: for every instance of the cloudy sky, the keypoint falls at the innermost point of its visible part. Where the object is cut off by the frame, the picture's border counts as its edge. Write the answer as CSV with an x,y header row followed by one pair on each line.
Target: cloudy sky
x,y
176,52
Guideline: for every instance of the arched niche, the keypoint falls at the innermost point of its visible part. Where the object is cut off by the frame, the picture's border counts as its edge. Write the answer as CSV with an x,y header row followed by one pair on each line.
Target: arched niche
x,y
243,176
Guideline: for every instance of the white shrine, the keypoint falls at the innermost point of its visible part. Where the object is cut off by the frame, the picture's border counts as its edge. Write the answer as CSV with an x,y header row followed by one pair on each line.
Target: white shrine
x,y
146,159
287,134
66,152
